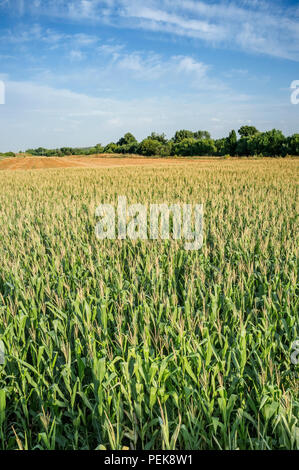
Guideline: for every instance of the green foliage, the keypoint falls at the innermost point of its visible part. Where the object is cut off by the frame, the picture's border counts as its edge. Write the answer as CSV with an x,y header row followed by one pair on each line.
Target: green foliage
x,y
111,148
246,131
66,151
205,146
7,154
243,146
159,137
201,135
188,143
292,145
231,143
150,147
127,139
99,148
185,134
192,147
221,146
142,344
271,143
185,147
182,135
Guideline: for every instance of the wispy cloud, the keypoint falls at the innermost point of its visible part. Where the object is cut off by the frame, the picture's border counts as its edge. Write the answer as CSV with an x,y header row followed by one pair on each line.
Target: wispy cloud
x,y
76,55
265,27
258,27
142,66
67,118
161,19
35,32
125,71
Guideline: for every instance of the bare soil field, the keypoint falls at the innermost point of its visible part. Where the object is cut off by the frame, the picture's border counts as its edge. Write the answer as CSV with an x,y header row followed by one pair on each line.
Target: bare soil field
x,y
103,161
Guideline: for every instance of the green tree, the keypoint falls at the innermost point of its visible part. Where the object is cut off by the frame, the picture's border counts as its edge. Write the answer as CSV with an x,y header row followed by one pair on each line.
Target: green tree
x,y
221,146
271,143
66,150
204,147
182,135
99,148
201,135
246,131
128,138
292,145
150,147
185,147
232,142
111,148
159,137
243,146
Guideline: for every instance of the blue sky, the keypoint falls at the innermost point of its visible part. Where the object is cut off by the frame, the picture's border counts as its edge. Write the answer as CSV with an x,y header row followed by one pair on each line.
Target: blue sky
x,y
84,72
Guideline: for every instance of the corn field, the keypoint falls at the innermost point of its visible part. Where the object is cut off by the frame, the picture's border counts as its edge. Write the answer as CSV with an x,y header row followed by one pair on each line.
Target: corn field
x,y
141,344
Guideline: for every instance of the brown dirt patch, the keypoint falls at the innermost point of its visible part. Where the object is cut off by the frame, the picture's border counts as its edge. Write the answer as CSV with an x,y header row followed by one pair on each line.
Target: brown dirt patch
x,y
103,161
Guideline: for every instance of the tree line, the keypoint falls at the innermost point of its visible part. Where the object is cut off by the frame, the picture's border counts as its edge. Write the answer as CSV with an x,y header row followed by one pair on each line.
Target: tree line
x,y
7,154
251,142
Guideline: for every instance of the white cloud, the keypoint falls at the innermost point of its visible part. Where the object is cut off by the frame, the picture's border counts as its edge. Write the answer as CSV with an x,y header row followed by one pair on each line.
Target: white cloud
x,y
259,28
160,19
189,65
37,115
84,39
112,51
149,67
265,27
76,55
36,33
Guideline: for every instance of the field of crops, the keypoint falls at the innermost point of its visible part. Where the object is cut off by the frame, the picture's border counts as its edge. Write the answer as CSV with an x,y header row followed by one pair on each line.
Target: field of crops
x,y
142,344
